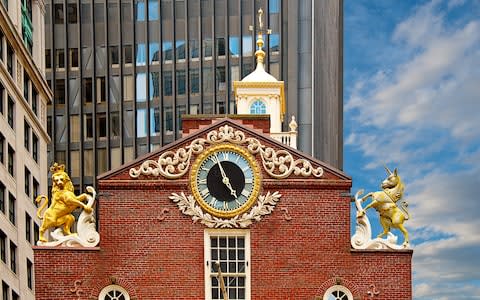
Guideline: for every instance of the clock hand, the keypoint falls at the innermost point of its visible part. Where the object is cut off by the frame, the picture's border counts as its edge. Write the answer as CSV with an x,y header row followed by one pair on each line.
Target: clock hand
x,y
221,169
225,179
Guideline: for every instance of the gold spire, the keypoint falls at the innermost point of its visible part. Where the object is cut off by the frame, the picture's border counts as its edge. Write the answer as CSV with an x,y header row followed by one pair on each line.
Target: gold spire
x,y
260,54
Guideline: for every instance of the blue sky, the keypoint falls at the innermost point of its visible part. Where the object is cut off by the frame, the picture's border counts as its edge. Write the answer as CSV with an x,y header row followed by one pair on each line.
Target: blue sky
x,y
412,101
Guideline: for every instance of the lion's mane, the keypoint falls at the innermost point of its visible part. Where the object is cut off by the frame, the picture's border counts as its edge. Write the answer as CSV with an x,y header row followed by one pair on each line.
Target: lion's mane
x,y
68,185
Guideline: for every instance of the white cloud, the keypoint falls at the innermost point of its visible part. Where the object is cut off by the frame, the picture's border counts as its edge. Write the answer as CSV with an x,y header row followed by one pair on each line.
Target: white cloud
x,y
446,292
421,26
455,3
437,89
444,227
422,115
444,194
430,84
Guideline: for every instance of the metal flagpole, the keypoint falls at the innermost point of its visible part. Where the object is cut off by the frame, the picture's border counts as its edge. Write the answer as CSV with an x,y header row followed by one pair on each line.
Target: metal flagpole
x,y
220,279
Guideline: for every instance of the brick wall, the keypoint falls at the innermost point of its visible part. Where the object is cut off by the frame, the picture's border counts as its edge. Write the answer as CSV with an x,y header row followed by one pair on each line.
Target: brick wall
x,y
157,252
191,123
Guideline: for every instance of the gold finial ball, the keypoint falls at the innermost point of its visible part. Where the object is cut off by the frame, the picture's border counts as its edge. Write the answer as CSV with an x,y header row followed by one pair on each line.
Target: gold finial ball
x,y
56,168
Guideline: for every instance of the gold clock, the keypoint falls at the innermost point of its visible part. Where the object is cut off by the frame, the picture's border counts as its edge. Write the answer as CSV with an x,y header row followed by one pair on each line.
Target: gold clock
x,y
225,180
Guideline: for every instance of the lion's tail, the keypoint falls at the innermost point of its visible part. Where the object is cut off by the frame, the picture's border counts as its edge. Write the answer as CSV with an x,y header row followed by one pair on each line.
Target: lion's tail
x,y
403,207
42,207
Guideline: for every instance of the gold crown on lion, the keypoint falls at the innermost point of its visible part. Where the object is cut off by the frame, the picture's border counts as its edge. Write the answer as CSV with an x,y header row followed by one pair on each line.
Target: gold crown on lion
x,y
56,168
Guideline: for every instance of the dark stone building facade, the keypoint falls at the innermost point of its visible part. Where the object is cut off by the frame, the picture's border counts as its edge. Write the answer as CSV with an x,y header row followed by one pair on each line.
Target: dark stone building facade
x,y
123,72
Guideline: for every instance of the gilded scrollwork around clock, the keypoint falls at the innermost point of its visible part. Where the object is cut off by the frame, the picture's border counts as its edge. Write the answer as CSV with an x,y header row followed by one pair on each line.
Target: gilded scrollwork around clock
x,y
277,163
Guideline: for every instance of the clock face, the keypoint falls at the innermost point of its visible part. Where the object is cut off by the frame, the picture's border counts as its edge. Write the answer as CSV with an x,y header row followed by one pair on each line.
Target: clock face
x,y
225,180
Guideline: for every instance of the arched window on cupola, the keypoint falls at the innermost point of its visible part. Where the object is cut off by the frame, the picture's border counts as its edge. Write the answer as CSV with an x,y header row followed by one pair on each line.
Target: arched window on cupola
x,y
258,107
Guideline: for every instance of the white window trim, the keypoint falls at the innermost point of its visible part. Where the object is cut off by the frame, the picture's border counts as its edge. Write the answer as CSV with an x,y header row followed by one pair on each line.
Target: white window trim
x,y
261,100
113,287
207,256
338,288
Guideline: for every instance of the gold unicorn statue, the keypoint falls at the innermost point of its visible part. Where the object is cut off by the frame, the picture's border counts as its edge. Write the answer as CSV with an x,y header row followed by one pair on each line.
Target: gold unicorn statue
x,y
385,203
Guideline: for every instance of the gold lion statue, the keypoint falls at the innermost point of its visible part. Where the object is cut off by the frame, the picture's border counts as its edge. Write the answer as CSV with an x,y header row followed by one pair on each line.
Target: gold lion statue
x,y
385,203
63,203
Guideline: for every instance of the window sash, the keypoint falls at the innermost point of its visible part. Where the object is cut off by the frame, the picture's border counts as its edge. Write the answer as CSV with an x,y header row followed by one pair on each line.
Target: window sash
x,y
13,257
28,228
3,247
234,259
11,208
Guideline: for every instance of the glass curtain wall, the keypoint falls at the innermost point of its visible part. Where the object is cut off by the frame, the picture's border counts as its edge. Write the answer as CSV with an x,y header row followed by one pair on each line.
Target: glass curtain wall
x,y
124,71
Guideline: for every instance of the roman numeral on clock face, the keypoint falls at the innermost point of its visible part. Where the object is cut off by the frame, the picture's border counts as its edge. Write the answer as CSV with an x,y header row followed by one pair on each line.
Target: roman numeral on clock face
x,y
213,202
225,155
214,159
205,192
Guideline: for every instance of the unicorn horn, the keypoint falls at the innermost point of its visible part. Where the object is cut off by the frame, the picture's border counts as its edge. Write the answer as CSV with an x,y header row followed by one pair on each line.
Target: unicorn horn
x,y
388,170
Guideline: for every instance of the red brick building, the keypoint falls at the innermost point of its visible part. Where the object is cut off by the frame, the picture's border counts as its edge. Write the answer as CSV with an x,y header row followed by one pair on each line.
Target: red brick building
x,y
276,220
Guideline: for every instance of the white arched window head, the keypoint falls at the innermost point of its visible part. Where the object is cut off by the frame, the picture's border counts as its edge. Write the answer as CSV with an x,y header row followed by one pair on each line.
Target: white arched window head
x,y
258,107
338,292
113,292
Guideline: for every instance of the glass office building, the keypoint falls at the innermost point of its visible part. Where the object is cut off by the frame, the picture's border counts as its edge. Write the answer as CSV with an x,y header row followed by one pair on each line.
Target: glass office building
x,y
124,71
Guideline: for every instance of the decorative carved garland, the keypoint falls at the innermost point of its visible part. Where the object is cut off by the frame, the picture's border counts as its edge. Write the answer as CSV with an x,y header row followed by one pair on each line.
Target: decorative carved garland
x,y
278,164
189,206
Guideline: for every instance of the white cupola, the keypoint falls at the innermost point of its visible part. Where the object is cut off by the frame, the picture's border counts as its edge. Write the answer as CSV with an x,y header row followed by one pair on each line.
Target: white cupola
x,y
259,92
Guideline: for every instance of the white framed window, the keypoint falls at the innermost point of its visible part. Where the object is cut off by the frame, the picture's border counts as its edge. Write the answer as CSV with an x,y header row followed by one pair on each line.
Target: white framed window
x,y
231,248
258,107
338,292
113,292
